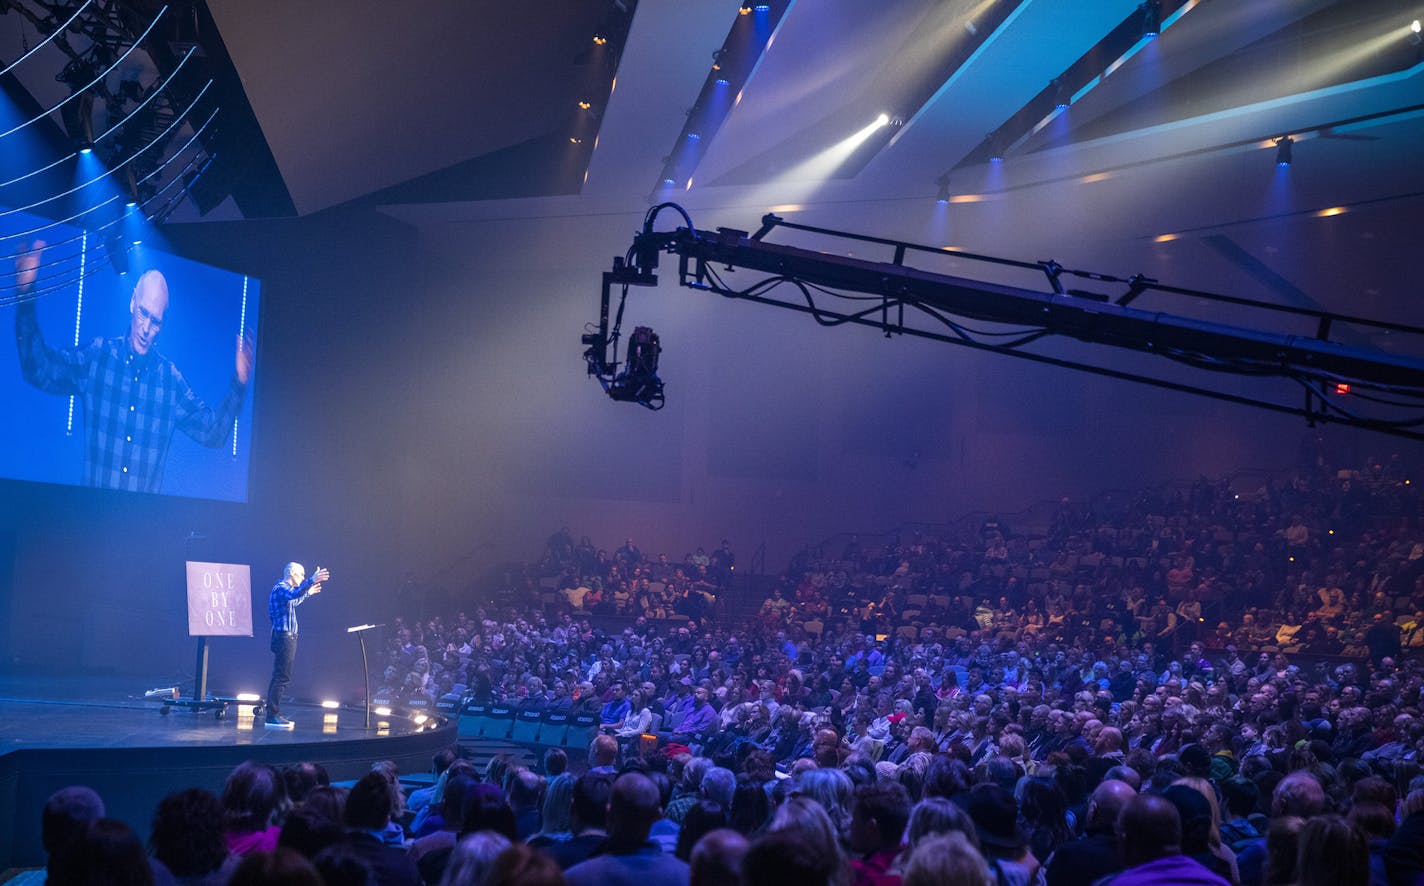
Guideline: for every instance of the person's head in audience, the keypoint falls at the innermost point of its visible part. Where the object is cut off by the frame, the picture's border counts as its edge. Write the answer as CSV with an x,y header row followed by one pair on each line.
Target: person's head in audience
x,y
556,811
1194,813
67,814
588,811
633,807
717,859
1125,774
934,816
995,816
187,833
106,853
520,865
473,857
719,785
807,821
780,858
252,797
330,801
452,800
525,790
831,788
1148,829
368,806
1374,820
879,813
1282,850
556,762
947,860
301,778
338,865
308,831
486,809
751,807
1298,794
1332,853
1240,796
701,818
603,752
282,867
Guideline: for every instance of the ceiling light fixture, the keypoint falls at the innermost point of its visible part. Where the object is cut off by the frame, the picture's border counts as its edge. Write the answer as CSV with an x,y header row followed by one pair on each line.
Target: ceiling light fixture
x,y
1283,150
1151,18
942,195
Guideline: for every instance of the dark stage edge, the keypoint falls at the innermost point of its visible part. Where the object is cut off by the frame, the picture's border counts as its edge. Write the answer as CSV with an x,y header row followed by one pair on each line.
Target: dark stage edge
x,y
56,733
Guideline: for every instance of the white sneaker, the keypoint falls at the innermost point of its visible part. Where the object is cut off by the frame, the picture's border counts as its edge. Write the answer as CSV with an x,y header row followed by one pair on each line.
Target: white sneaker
x,y
279,723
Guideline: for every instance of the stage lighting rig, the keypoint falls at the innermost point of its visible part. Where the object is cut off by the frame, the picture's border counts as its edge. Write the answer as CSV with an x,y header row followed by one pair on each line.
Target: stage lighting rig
x,y
1387,387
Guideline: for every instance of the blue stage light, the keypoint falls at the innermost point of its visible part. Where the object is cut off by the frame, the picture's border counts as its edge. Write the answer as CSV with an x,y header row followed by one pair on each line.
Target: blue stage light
x,y
1283,150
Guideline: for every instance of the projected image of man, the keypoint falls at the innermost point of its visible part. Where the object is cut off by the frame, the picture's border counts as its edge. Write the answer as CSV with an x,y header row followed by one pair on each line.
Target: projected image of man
x,y
132,396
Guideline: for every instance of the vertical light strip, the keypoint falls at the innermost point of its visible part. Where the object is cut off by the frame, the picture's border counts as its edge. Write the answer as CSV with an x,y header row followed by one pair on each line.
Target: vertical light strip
x,y
241,331
78,312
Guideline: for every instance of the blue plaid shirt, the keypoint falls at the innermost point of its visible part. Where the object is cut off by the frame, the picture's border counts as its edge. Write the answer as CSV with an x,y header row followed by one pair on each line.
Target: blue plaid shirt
x,y
282,605
132,404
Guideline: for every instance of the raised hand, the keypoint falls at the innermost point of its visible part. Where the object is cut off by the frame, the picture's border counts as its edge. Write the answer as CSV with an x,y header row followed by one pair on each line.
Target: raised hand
x,y
28,263
244,358
320,575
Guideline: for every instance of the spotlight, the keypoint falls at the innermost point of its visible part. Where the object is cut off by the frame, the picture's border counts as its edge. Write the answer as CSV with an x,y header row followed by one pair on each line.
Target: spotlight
x,y
599,40
575,140
668,182
1283,150
942,195
882,119
996,147
585,105
87,149
1060,95
723,81
694,136
1151,18
1414,35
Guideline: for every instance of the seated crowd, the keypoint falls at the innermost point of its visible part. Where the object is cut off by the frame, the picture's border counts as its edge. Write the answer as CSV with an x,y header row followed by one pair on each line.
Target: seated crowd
x,y
1206,687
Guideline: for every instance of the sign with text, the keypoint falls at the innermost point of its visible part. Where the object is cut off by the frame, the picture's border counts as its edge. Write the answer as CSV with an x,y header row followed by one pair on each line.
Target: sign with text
x,y
219,599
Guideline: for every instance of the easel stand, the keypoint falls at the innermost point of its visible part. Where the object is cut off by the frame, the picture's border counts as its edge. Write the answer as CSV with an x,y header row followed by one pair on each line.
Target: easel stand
x,y
200,701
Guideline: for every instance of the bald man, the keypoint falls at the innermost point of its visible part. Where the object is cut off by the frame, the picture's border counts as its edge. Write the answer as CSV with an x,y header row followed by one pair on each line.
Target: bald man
x,y
132,396
629,858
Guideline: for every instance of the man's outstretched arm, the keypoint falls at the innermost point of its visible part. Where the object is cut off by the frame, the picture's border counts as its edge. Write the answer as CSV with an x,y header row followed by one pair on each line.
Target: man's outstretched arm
x,y
206,426
55,371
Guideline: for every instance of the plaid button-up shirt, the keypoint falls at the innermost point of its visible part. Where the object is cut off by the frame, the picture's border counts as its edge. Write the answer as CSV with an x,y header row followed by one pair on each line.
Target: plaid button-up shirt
x,y
282,605
132,404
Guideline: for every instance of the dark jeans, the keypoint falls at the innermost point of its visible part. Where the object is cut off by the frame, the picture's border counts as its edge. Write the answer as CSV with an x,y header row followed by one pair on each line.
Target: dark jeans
x,y
284,652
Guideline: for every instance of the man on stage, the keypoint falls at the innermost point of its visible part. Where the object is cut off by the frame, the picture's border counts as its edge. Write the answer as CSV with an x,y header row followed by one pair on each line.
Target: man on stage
x,y
287,595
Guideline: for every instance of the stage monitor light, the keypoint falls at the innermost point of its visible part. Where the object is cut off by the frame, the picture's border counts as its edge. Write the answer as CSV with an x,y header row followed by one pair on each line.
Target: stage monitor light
x,y
248,696
331,704
1283,150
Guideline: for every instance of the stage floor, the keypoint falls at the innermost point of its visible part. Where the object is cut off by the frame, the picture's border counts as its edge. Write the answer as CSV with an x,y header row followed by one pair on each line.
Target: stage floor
x,y
88,713
102,733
